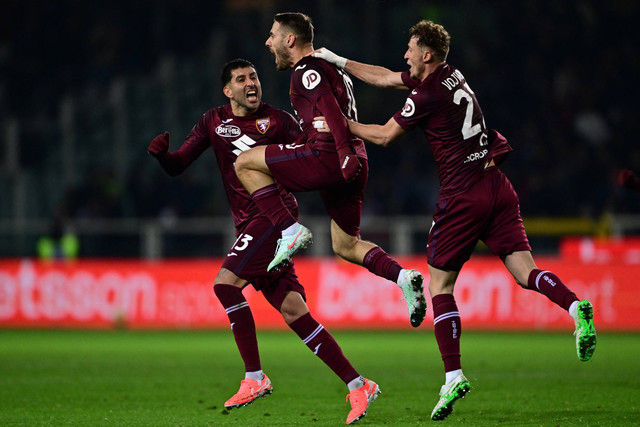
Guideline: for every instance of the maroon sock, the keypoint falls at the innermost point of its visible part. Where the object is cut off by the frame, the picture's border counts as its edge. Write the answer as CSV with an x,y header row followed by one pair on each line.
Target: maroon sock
x,y
242,324
381,264
446,321
550,285
268,200
323,345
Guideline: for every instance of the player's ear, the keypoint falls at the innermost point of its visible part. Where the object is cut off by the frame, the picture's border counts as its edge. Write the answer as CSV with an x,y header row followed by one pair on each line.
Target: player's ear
x,y
227,91
427,56
291,39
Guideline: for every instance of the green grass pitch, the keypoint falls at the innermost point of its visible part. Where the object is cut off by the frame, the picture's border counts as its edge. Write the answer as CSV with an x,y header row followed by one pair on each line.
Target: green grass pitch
x,y
182,378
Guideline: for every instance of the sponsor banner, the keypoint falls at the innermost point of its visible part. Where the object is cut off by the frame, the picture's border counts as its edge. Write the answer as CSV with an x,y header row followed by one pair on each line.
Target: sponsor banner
x,y
179,294
605,251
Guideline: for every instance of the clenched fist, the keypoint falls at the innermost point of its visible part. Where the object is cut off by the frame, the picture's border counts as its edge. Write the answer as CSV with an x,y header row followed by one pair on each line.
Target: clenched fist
x,y
159,145
349,164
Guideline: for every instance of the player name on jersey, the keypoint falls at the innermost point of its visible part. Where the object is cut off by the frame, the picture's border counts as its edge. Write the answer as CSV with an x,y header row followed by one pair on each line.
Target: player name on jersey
x,y
454,80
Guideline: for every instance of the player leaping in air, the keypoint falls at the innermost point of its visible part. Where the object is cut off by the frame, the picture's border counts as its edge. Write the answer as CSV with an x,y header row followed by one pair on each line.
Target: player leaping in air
x,y
334,164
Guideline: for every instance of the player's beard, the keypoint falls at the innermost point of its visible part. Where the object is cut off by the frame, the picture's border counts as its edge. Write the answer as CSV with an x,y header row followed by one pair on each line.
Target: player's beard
x,y
283,58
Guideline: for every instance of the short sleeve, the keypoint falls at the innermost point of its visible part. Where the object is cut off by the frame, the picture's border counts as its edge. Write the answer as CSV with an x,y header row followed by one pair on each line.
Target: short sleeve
x,y
408,81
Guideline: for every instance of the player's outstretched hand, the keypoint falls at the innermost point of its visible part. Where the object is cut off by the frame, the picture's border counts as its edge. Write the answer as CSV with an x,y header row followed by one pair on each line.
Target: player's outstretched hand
x,y
159,145
629,180
329,56
321,125
349,164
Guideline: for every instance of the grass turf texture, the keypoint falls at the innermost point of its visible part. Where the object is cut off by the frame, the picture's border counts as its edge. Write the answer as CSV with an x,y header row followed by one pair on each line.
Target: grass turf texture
x,y
125,378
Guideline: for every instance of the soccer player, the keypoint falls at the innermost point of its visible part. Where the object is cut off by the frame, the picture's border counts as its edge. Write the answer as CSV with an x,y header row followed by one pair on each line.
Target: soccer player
x,y
333,164
231,129
477,201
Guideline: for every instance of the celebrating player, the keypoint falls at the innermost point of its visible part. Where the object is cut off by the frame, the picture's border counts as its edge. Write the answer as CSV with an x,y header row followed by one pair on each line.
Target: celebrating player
x,y
333,164
231,129
477,201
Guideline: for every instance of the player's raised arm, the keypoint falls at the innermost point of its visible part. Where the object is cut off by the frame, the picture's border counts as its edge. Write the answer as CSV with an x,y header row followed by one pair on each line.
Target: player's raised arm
x,y
372,74
175,163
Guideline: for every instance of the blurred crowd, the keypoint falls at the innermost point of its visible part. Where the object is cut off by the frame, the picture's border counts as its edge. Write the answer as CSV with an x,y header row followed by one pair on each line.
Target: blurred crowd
x,y
556,78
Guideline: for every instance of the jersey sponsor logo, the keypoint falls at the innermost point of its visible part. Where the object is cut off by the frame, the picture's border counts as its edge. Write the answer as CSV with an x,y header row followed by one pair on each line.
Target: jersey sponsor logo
x,y
409,108
228,131
244,143
476,156
311,79
263,124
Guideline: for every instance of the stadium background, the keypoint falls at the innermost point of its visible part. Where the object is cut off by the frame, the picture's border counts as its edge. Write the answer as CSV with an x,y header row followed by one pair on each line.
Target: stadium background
x,y
86,85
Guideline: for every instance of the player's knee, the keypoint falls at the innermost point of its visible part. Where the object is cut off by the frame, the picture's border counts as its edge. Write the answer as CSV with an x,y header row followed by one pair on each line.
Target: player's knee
x,y
344,248
291,314
241,163
343,252
293,307
290,317
441,287
227,277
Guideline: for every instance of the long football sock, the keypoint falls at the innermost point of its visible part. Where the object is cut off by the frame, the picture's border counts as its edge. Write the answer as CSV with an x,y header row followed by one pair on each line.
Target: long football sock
x,y
242,324
447,328
323,345
550,285
381,264
268,200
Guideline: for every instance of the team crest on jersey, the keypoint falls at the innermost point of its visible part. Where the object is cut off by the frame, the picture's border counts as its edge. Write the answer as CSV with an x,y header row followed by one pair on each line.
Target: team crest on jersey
x,y
263,124
311,79
228,131
409,108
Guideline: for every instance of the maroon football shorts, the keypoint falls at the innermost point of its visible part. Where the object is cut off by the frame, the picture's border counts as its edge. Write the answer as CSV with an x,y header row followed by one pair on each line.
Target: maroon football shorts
x,y
488,211
300,167
251,254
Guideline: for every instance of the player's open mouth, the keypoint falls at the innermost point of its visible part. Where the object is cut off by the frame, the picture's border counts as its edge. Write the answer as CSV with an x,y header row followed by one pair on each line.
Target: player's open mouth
x,y
252,95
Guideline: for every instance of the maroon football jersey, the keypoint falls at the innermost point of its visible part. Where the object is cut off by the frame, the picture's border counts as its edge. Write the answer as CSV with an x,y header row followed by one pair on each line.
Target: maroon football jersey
x,y
315,84
229,136
445,108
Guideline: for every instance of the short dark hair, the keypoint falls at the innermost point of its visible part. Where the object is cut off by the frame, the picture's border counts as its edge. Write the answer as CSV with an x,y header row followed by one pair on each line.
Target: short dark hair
x,y
299,24
234,64
432,35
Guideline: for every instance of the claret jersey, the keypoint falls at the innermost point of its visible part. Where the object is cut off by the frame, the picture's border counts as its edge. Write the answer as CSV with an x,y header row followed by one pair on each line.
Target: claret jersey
x,y
312,79
445,108
230,135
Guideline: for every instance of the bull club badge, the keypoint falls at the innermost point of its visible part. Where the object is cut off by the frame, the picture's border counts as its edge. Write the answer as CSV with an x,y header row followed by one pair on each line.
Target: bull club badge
x,y
263,124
